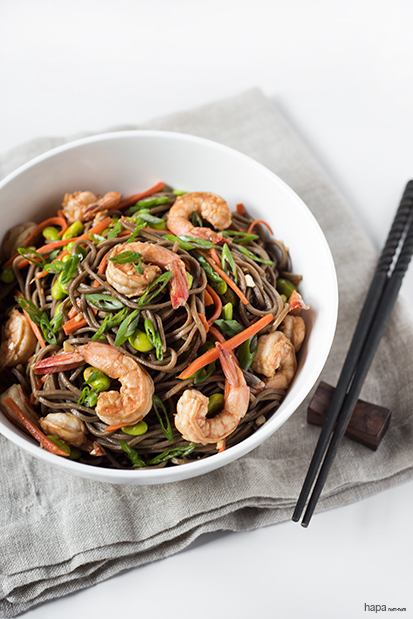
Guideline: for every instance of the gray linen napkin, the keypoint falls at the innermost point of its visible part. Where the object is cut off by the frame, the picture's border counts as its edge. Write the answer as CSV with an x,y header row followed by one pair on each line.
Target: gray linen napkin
x,y
41,505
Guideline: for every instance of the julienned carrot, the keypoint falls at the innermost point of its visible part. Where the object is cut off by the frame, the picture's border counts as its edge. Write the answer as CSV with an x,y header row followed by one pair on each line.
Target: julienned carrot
x,y
234,342
74,324
240,209
218,305
64,228
259,221
204,322
34,431
214,256
77,321
138,196
208,300
53,221
116,426
33,325
56,244
226,278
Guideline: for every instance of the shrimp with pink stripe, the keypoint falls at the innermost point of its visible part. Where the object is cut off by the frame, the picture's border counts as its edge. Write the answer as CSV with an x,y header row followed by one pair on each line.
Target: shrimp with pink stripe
x,y
192,407
127,406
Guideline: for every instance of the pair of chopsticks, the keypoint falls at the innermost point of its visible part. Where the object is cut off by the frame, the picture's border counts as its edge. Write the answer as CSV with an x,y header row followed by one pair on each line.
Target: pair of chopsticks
x,y
376,311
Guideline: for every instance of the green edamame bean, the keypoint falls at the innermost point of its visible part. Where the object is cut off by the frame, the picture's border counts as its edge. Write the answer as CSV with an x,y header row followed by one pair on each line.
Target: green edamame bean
x,y
140,341
58,290
74,230
215,404
100,382
284,286
7,275
137,429
51,233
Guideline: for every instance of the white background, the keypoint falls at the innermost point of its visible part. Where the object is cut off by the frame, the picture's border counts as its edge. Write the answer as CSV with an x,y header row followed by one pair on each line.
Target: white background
x,y
341,72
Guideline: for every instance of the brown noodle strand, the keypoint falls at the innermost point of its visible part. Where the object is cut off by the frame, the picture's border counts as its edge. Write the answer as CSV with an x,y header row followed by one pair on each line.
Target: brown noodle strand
x,y
181,332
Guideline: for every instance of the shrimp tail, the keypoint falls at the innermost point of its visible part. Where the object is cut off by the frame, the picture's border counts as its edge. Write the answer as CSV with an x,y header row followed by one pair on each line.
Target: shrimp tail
x,y
229,365
58,363
178,289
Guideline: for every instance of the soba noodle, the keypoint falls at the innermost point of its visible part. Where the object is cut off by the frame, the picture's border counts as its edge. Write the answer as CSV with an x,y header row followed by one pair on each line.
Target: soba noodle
x,y
260,263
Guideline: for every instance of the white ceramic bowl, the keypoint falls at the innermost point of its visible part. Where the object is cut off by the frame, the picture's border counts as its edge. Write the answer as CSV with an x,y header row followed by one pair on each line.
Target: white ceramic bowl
x,y
132,161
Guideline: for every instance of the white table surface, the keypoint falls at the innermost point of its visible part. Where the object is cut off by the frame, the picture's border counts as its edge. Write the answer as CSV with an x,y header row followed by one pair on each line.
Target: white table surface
x,y
342,75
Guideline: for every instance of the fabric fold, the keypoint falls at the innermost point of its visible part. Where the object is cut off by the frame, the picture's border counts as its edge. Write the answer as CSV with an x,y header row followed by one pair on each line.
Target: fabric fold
x,y
41,505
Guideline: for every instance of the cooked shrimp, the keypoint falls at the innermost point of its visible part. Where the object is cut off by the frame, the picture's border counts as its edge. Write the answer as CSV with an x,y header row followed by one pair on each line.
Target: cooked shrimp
x,y
125,279
211,207
192,407
16,393
18,341
16,237
84,205
294,328
127,406
276,360
66,426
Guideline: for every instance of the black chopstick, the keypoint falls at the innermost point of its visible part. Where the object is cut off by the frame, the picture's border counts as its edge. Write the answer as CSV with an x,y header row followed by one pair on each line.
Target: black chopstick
x,y
376,311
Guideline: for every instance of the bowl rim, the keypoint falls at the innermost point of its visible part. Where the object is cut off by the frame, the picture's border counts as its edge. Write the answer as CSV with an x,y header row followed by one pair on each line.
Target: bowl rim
x,y
152,476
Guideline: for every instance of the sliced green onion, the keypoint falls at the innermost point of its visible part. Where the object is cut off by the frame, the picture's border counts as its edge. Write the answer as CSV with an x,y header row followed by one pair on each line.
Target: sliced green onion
x,y
204,373
56,322
109,322
227,258
54,255
160,411
88,397
28,253
189,242
139,225
126,257
243,237
54,267
116,230
39,318
138,267
174,452
154,338
133,456
104,301
96,238
196,220
229,327
70,269
127,328
252,256
162,280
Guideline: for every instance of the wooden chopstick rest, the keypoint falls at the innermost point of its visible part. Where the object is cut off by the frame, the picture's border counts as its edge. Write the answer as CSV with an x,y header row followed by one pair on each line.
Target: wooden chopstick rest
x,y
368,423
